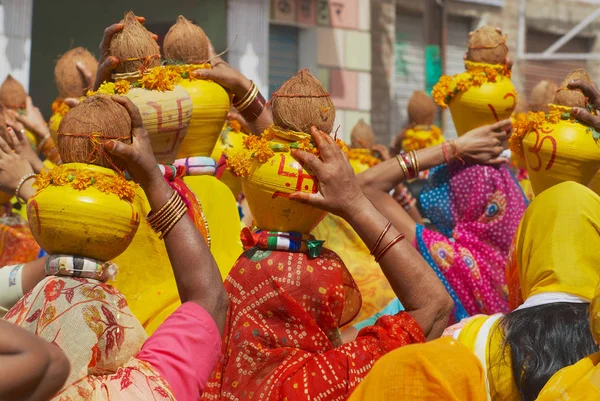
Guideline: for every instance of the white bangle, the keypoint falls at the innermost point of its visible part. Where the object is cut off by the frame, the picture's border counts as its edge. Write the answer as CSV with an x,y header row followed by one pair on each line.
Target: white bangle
x,y
19,198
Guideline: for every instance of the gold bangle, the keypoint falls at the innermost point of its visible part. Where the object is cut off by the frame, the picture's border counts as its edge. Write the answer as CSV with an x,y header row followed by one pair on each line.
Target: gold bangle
x,y
413,161
152,216
417,162
249,100
403,166
173,222
172,213
242,100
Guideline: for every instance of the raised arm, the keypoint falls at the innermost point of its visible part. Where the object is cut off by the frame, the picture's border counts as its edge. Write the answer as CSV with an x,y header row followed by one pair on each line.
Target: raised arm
x,y
196,274
411,278
30,368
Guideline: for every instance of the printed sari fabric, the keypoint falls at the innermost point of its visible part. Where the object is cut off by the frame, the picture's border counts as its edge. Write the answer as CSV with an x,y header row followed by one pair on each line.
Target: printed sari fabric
x,y
282,338
17,244
476,210
92,324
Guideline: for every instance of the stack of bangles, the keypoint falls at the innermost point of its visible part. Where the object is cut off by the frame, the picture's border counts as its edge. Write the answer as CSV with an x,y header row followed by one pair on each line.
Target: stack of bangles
x,y
405,198
165,219
251,105
409,163
454,150
390,244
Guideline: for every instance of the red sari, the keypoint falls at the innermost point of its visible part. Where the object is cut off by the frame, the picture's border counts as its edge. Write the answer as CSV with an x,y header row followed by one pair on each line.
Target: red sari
x,y
282,338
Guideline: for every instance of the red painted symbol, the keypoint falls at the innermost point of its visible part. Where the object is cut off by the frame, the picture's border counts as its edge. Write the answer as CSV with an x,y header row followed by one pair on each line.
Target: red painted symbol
x,y
535,149
178,129
513,96
299,174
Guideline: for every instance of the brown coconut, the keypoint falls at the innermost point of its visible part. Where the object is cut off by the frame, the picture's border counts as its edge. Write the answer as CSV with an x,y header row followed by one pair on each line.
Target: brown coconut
x,y
96,114
421,109
134,46
572,98
12,94
303,102
362,136
70,82
542,95
186,42
487,45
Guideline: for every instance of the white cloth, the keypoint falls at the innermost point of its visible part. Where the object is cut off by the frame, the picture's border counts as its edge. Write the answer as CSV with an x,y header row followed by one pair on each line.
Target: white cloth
x,y
550,298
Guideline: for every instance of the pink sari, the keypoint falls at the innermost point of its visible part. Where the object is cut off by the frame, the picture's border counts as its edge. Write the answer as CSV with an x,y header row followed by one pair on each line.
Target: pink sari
x,y
476,210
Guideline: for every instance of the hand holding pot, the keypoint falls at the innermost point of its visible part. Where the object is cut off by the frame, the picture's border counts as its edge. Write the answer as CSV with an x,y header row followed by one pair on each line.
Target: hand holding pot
x,y
593,94
484,145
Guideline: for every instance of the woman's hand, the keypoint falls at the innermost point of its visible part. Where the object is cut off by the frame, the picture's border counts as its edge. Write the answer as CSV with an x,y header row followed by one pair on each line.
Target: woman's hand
x,y
20,144
593,94
383,151
13,167
33,120
339,192
138,157
108,63
222,73
484,145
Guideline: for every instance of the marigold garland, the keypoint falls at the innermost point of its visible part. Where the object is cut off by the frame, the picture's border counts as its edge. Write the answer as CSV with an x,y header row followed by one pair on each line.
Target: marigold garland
x,y
60,107
261,148
476,75
421,137
83,179
363,156
162,78
533,121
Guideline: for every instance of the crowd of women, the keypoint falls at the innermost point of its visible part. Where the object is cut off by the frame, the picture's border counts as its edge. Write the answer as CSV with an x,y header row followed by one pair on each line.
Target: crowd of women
x,y
438,278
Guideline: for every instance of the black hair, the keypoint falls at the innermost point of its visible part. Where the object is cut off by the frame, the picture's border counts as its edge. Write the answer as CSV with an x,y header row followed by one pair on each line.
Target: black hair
x,y
544,339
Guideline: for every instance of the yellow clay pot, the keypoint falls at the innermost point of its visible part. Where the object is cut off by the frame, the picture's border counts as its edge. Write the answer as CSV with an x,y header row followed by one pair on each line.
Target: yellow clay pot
x,y
357,165
166,116
229,143
86,222
269,185
564,151
486,104
210,105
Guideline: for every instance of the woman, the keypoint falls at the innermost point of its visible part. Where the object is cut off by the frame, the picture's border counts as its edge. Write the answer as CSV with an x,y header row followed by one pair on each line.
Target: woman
x,y
282,338
110,354
475,205
440,370
558,268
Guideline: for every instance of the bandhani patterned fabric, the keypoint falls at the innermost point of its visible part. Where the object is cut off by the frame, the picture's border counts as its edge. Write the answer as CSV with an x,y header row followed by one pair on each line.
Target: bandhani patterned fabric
x,y
282,339
17,244
374,288
92,324
476,210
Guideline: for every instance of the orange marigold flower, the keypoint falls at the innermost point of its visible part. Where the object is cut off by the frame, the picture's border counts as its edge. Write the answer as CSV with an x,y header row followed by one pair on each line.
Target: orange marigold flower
x,y
235,125
239,164
122,87
160,79
82,180
59,107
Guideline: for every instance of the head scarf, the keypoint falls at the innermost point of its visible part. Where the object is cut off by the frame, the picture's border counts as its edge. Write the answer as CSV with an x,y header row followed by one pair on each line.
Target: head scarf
x,y
558,242
92,324
282,336
439,370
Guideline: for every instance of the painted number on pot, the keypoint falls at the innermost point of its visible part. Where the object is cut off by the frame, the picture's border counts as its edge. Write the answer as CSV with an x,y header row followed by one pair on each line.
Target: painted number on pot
x,y
511,96
300,175
535,149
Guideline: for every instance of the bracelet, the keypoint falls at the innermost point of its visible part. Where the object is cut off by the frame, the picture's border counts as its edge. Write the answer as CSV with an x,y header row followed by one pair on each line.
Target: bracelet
x,y
254,109
383,233
402,165
393,242
249,100
445,151
453,146
167,216
20,199
411,203
415,159
410,165
249,95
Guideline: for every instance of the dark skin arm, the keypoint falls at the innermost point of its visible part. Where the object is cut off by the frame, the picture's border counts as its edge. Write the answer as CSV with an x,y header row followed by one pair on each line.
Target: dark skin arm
x,y
593,94
30,368
236,84
196,273
411,278
482,145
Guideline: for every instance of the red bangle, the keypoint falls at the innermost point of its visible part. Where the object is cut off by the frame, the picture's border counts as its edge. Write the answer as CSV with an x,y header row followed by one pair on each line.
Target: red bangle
x,y
445,150
393,242
254,109
409,165
383,233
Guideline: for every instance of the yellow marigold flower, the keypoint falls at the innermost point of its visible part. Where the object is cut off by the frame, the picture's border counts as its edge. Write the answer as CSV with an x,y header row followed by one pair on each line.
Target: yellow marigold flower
x,y
58,177
342,145
107,88
59,107
463,84
82,180
122,87
235,125
239,164
441,89
160,78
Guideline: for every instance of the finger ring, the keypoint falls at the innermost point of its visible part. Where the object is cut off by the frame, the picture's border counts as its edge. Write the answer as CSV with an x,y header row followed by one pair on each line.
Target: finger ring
x,y
22,132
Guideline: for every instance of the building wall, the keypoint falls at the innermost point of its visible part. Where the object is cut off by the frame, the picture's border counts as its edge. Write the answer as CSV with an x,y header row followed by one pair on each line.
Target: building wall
x,y
74,23
15,39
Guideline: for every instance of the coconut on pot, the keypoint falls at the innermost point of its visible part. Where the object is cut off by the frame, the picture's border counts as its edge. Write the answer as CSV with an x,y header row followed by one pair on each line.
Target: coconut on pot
x,y
421,109
542,95
303,102
134,47
70,82
572,98
487,45
186,42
